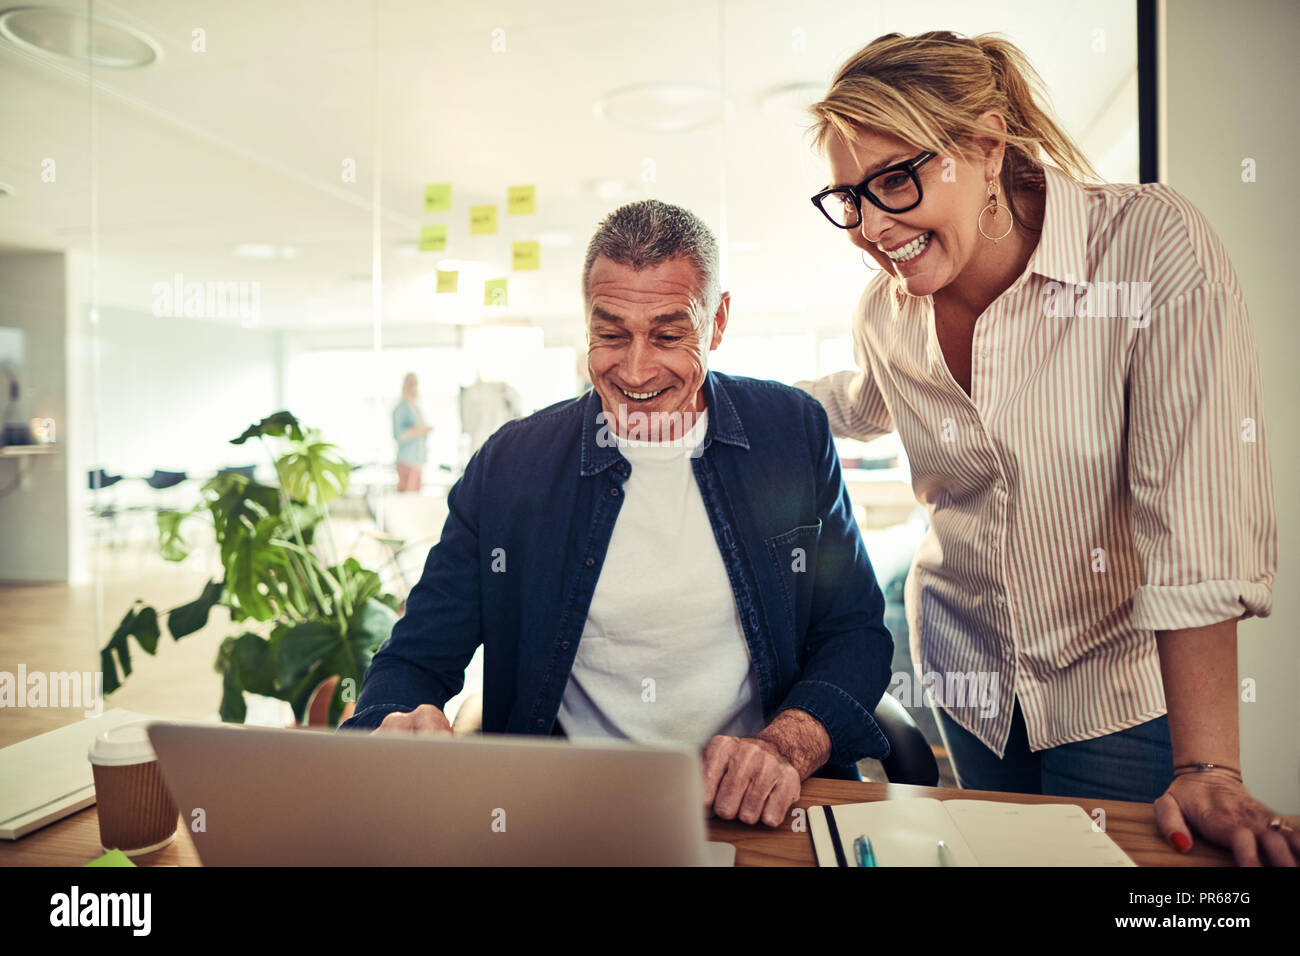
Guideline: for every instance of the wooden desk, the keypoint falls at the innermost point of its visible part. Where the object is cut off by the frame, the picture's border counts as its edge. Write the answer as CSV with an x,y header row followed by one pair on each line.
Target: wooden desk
x,y
75,840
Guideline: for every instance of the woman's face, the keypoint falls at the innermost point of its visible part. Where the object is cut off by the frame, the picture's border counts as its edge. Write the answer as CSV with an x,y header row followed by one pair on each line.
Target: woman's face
x,y
953,191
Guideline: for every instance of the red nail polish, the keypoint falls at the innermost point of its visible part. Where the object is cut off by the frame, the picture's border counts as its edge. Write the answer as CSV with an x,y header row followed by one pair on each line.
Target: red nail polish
x,y
1182,843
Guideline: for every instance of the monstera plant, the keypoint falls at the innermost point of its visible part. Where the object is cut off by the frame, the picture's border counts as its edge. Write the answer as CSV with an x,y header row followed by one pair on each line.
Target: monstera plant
x,y
307,617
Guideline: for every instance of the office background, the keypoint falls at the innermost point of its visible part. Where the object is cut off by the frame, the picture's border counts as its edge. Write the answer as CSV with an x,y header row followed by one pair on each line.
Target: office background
x,y
283,153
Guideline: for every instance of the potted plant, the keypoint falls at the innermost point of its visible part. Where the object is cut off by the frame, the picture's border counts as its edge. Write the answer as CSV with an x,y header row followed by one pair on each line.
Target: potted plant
x,y
308,619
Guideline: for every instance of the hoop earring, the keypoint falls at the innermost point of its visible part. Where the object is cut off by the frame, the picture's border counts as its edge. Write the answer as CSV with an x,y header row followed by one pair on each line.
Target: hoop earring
x,y
863,255
992,207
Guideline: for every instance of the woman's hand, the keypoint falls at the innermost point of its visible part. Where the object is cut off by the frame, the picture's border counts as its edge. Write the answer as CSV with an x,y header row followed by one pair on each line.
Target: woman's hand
x,y
1219,807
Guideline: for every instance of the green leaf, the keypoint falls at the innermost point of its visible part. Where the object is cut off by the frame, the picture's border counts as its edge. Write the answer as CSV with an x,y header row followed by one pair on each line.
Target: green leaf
x,y
191,617
313,472
249,566
140,622
303,647
276,425
109,668
171,542
249,663
233,708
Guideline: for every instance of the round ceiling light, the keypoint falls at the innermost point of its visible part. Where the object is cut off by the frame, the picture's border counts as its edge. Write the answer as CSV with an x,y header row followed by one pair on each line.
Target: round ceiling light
x,y
662,107
71,35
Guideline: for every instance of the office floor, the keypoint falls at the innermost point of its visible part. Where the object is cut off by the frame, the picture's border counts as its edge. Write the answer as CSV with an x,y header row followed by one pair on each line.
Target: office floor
x,y
58,627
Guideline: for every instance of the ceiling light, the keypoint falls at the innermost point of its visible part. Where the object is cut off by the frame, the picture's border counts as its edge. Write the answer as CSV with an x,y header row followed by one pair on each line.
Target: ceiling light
x,y
265,250
662,107
72,35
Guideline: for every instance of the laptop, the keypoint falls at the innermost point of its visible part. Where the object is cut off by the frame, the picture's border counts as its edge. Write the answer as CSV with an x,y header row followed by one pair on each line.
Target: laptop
x,y
300,797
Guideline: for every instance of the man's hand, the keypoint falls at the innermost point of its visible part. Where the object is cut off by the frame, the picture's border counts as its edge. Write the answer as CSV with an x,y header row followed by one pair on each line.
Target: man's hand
x,y
753,778
748,778
425,719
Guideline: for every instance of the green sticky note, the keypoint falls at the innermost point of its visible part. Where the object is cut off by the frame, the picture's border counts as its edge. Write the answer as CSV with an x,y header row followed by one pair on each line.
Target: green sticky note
x,y
494,292
433,238
482,220
521,200
527,255
111,858
448,281
437,197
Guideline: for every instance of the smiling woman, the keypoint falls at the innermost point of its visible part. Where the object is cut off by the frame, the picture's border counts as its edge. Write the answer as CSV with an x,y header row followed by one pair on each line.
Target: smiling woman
x,y
1100,494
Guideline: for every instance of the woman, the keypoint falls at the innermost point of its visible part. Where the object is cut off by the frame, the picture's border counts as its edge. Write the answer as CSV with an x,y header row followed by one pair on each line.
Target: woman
x,y
409,430
1073,373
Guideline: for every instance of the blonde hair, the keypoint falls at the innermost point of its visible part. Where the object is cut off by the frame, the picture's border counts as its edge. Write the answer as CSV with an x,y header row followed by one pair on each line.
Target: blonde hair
x,y
929,89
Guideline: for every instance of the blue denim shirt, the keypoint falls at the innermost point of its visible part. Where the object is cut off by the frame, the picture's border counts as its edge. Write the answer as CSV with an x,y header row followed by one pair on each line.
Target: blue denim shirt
x,y
527,531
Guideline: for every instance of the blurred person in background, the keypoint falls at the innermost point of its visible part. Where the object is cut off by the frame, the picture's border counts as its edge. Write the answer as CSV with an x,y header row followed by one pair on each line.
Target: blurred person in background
x,y
409,430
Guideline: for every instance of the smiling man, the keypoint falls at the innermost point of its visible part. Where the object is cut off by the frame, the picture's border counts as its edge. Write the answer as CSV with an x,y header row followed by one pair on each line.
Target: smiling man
x,y
671,558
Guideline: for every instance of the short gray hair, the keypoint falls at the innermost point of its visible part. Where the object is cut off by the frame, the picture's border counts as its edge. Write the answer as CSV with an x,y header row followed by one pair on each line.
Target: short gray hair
x,y
646,233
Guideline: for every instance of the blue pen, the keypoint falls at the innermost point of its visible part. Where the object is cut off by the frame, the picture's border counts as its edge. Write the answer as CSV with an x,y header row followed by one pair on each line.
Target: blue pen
x,y
866,855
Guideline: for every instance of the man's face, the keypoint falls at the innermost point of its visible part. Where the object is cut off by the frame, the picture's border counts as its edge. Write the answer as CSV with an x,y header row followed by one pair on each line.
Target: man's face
x,y
648,339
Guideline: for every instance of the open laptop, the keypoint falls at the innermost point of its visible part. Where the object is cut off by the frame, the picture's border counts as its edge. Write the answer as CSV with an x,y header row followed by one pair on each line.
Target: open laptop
x,y
302,797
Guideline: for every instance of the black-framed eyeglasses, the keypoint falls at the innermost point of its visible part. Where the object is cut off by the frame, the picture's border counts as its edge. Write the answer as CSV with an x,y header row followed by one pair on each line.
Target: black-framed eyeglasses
x,y
895,188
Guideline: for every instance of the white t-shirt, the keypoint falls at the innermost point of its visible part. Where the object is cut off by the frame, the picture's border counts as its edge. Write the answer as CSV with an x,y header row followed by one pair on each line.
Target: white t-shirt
x,y
662,658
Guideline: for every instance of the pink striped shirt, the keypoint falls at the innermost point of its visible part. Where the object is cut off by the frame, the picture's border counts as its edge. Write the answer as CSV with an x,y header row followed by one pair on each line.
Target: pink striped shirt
x,y
1107,478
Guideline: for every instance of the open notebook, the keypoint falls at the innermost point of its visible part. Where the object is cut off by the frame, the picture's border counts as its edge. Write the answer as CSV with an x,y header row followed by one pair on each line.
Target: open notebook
x,y
977,832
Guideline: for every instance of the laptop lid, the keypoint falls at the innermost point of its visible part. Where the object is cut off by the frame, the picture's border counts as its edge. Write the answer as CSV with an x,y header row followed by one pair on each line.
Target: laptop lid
x,y
319,798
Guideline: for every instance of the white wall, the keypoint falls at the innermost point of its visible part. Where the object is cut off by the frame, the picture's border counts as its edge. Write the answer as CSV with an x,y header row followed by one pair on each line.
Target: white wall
x,y
174,391
1230,84
34,515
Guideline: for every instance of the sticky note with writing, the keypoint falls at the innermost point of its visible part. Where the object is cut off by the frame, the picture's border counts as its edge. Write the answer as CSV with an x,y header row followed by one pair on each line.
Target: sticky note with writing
x,y
448,281
494,292
527,255
521,200
482,220
437,197
433,238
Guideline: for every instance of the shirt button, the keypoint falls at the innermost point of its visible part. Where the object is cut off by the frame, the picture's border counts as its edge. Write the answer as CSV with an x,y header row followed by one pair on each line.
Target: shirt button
x,y
613,492
984,353
590,562
564,645
540,722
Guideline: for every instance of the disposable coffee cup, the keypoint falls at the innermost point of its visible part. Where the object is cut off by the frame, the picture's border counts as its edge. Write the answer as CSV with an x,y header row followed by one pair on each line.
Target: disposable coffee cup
x,y
137,813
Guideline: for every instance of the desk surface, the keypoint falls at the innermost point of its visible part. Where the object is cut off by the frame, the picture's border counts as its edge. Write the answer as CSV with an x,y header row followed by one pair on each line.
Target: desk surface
x,y
75,840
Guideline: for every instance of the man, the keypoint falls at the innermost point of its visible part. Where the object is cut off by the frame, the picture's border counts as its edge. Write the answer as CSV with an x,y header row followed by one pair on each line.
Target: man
x,y
670,558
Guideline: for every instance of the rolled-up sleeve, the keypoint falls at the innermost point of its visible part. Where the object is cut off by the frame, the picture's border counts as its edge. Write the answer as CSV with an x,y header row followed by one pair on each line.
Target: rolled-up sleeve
x,y
1204,523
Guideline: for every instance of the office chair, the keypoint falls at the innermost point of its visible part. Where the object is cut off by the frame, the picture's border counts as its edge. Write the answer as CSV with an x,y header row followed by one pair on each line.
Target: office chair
x,y
910,758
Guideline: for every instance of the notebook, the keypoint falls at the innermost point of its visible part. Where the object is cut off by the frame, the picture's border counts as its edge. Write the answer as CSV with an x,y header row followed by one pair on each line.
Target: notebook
x,y
48,777
977,833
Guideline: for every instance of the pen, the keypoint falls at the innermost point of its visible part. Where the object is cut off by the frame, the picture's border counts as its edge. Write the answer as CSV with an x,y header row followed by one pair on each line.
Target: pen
x,y
865,854
945,855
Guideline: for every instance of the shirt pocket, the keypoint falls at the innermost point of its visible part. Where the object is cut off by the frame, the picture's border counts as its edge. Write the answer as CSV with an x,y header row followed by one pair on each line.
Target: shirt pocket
x,y
793,555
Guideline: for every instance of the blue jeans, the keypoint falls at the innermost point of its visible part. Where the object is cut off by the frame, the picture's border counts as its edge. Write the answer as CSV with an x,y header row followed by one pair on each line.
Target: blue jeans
x,y
1134,764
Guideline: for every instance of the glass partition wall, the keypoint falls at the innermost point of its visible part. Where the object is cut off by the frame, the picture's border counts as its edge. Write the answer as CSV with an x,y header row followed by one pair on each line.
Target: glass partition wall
x,y
373,216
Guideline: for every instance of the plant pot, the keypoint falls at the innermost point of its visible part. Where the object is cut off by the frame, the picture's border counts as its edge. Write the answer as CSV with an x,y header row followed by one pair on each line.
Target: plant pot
x,y
318,706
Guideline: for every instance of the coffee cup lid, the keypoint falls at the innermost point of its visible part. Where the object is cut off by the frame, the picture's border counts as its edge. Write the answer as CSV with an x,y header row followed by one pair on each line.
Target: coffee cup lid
x,y
121,745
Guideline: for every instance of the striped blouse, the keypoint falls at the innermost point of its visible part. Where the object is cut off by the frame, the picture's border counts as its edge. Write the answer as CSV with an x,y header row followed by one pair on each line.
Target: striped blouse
x,y
1107,477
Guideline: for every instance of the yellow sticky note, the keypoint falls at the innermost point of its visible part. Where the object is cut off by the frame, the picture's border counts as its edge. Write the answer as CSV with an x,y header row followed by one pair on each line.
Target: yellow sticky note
x,y
437,197
433,238
527,255
494,292
111,858
521,200
448,281
482,220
